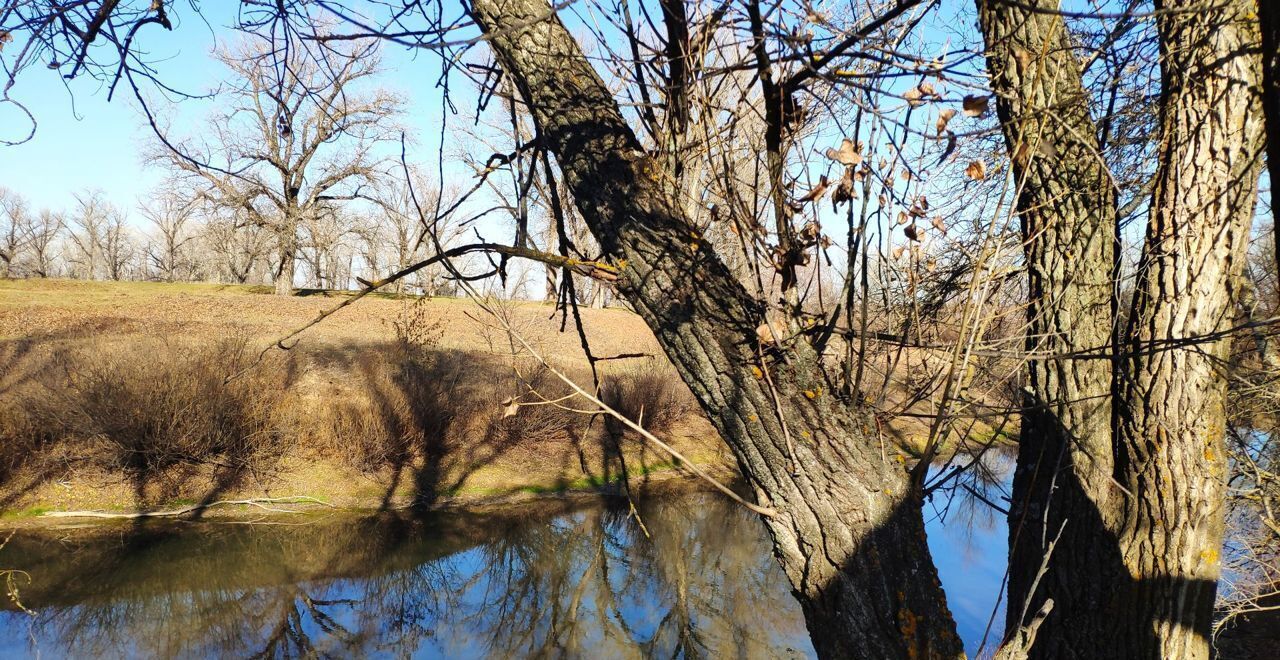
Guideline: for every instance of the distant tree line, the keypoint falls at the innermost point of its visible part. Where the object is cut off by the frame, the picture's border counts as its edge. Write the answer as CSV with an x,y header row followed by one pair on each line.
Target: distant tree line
x,y
181,237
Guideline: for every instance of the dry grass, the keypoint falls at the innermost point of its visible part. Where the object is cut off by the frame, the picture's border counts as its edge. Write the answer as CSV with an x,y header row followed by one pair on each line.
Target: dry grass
x,y
120,397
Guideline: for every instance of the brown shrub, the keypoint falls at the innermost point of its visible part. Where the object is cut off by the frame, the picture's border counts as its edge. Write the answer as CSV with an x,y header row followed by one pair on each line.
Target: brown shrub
x,y
152,405
536,421
650,394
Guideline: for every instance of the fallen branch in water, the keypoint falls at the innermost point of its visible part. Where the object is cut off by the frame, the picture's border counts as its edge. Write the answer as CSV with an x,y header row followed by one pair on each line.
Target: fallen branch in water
x,y
259,502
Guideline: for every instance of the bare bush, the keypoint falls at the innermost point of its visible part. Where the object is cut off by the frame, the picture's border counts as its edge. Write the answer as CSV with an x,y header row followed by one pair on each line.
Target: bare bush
x,y
155,405
651,395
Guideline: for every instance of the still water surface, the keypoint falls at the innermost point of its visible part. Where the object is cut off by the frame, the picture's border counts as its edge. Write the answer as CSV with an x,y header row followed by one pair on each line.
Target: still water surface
x,y
552,579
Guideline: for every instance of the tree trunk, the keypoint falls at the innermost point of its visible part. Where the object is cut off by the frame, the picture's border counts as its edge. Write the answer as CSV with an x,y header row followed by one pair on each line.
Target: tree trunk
x,y
1066,204
1170,449
1136,495
288,261
848,530
1269,20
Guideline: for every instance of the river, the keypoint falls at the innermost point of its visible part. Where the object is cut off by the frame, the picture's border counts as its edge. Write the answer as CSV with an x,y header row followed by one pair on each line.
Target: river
x,y
548,579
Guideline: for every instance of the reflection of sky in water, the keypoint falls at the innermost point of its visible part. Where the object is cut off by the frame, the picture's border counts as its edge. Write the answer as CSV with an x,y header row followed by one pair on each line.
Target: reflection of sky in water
x,y
970,547
971,564
584,583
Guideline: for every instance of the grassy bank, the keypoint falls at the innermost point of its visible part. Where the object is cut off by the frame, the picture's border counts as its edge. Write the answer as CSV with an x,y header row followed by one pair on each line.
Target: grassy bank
x,y
141,396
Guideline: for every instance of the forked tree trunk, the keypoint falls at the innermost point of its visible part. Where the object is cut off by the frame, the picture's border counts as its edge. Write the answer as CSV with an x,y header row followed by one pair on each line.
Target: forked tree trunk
x,y
1150,488
848,530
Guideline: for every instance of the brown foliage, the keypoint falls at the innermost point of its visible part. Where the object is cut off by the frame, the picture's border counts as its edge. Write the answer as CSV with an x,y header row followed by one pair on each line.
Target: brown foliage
x,y
150,406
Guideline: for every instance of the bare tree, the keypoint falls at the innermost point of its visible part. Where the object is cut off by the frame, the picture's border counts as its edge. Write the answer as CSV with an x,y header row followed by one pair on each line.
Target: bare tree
x,y
118,247
409,217
14,230
237,250
46,226
170,213
324,245
297,139
87,232
685,146
1116,449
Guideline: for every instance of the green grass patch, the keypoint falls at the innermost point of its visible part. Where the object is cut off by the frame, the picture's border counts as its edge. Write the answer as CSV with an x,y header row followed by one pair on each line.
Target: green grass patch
x,y
31,512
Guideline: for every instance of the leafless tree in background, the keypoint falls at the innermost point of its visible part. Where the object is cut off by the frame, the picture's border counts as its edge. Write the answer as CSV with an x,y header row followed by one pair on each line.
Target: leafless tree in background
x,y
15,229
170,214
42,247
87,230
295,141
236,249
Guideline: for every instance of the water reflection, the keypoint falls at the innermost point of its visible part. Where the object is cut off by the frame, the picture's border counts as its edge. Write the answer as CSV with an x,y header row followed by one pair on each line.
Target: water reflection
x,y
968,538
548,581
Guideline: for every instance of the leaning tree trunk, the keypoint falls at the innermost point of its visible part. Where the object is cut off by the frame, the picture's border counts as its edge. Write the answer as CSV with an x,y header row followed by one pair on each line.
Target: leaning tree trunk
x,y
1066,203
1170,446
848,528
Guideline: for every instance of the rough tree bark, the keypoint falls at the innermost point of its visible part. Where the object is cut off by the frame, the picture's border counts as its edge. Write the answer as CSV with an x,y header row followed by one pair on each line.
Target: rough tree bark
x,y
848,530
1067,207
1170,451
288,255
1269,21
1138,499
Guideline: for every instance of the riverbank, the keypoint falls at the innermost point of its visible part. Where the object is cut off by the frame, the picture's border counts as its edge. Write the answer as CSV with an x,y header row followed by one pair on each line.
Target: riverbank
x,y
143,397
108,510
128,397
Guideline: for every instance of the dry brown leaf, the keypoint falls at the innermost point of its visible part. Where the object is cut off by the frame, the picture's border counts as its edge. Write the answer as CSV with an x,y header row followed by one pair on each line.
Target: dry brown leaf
x,y
817,192
1023,56
927,89
914,97
764,334
911,232
944,118
975,106
510,408
897,252
977,170
1020,154
938,224
844,190
847,154
902,217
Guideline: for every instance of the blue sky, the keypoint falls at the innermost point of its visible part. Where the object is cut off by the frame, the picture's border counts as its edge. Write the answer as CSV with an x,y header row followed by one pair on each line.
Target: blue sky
x,y
84,142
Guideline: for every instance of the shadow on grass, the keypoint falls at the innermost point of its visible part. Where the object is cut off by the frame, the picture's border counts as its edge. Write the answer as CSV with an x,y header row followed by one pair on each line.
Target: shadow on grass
x,y
421,423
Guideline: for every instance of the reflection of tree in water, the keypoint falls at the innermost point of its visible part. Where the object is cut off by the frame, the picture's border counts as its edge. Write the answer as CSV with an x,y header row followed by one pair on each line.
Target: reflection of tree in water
x,y
585,582
593,584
